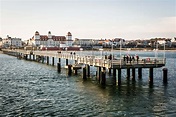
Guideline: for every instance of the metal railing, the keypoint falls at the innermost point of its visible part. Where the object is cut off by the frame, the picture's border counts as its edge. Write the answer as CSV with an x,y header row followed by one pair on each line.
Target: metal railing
x,y
95,60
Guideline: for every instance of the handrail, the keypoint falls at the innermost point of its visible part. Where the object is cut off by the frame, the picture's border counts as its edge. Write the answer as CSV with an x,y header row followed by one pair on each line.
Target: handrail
x,y
95,60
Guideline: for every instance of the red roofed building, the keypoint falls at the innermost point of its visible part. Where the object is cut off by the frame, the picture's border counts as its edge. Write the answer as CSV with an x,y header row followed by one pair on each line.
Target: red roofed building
x,y
52,40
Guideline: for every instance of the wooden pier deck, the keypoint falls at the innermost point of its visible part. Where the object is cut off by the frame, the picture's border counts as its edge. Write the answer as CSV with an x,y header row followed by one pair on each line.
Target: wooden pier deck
x,y
97,61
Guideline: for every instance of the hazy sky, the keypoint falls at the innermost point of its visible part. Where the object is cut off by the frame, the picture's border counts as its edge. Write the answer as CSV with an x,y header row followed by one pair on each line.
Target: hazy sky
x,y
128,19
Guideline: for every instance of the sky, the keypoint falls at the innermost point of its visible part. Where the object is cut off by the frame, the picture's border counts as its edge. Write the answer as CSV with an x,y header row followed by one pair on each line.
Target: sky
x,y
89,19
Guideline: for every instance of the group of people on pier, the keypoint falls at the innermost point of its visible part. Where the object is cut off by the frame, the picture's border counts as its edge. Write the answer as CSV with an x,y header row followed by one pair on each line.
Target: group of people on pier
x,y
129,58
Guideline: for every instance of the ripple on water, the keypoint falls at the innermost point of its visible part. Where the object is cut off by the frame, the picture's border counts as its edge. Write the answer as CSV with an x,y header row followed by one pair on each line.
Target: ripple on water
x,y
32,89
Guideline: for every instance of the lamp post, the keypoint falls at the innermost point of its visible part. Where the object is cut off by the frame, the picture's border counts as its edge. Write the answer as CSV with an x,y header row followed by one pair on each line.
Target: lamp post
x,y
92,47
156,50
164,49
101,50
120,51
112,52
81,49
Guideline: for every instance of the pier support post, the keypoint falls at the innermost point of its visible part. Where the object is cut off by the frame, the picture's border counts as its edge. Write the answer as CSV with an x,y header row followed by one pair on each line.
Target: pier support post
x,y
128,73
66,62
98,73
53,61
114,76
33,57
26,57
151,75
76,71
139,73
59,60
88,70
84,73
69,70
30,57
43,58
109,71
165,75
133,74
103,77
119,77
47,60
59,67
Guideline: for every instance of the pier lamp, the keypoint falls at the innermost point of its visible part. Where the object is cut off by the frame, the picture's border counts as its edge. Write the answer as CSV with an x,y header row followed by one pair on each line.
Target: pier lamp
x,y
92,46
112,52
101,52
81,49
120,51
164,49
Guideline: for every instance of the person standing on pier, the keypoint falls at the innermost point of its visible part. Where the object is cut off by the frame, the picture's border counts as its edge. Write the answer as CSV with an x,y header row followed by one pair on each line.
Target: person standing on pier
x,y
130,59
137,58
127,58
133,59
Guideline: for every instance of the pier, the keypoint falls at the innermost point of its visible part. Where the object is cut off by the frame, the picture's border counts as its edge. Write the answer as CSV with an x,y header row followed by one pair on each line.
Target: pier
x,y
103,65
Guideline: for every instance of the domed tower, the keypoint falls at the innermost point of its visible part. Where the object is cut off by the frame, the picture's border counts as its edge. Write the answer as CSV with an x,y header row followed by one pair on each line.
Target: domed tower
x,y
49,35
36,40
37,35
69,39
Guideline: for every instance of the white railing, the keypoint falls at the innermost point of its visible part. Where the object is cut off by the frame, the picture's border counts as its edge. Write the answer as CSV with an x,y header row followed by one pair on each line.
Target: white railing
x,y
95,60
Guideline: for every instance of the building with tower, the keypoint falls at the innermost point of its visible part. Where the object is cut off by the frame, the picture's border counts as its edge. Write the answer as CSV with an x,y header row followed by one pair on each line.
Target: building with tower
x,y
51,40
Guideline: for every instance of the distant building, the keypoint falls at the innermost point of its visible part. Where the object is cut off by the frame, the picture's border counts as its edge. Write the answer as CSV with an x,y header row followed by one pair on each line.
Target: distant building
x,y
85,42
51,40
119,41
11,42
173,42
0,42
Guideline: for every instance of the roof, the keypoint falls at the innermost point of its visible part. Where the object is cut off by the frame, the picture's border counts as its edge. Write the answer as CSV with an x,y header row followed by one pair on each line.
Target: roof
x,y
55,38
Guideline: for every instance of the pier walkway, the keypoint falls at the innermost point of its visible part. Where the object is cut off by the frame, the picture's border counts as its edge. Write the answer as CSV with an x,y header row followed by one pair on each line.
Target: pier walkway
x,y
97,61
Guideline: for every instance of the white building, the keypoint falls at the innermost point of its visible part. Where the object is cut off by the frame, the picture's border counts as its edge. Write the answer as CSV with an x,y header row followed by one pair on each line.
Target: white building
x,y
51,40
85,42
11,42
119,42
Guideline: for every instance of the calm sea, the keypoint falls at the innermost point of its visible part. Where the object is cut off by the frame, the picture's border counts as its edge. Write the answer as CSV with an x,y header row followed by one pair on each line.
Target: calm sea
x,y
35,89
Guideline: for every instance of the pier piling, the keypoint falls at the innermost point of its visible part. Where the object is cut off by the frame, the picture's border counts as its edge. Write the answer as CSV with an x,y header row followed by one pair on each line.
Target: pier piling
x,y
128,73
98,73
151,75
69,70
119,77
53,61
165,75
133,74
84,73
47,60
66,62
139,73
103,77
33,57
59,67
88,70
114,76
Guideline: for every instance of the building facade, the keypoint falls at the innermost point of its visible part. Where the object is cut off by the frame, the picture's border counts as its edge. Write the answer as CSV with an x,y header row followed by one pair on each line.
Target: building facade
x,y
51,40
12,42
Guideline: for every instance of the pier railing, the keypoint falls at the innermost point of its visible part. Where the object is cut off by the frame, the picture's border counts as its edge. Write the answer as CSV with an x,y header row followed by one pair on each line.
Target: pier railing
x,y
99,60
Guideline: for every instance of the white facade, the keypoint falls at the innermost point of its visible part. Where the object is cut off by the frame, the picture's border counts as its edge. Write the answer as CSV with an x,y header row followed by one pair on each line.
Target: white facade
x,y
12,42
51,40
85,42
0,42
